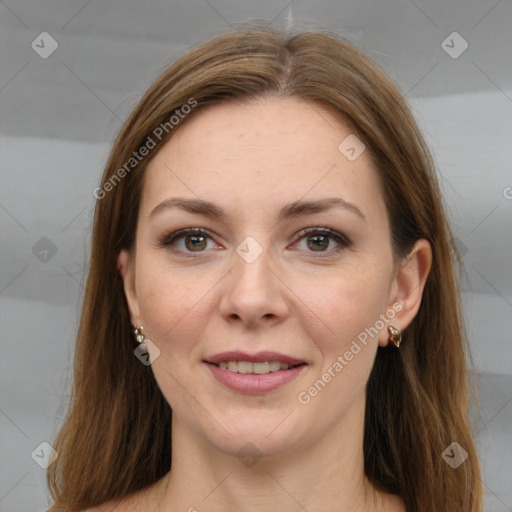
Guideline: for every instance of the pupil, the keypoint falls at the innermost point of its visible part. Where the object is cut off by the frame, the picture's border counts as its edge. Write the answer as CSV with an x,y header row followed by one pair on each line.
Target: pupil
x,y
198,242
324,242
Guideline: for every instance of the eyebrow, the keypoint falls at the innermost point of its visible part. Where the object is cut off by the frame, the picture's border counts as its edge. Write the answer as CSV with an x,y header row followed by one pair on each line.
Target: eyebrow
x,y
291,210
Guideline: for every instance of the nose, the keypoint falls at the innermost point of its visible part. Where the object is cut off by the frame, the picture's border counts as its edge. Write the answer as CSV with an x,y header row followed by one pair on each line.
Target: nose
x,y
255,293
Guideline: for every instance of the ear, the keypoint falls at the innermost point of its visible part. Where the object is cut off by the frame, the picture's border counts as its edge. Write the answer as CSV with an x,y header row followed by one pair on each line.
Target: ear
x,y
407,287
126,266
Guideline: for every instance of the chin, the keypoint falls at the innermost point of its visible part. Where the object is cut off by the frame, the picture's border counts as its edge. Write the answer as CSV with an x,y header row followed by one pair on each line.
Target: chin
x,y
251,431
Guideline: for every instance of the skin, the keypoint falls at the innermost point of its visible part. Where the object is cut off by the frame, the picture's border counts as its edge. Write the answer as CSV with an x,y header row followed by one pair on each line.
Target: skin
x,y
295,298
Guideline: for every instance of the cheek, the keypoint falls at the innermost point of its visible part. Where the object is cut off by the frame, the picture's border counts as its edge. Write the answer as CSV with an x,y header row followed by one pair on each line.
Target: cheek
x,y
349,308
339,305
171,301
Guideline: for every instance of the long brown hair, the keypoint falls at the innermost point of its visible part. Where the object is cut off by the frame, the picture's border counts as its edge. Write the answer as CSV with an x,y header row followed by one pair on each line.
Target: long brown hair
x,y
116,436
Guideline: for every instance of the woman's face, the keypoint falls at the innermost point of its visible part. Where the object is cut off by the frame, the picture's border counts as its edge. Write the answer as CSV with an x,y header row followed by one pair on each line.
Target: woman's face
x,y
292,264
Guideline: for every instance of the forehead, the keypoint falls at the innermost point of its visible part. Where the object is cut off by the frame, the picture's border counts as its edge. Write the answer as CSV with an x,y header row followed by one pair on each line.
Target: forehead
x,y
262,152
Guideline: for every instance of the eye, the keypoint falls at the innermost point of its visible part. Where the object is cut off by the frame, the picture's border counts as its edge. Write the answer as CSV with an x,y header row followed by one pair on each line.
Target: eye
x,y
318,239
187,240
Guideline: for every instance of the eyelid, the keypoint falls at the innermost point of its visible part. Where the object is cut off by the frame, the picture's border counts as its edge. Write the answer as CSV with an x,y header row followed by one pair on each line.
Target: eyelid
x,y
167,239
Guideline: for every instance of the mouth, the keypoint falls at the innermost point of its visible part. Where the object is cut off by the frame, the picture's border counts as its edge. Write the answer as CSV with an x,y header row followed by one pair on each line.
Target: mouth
x,y
260,363
258,368
254,373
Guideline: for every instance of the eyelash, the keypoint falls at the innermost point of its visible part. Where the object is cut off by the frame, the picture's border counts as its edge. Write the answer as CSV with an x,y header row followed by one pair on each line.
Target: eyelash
x,y
341,239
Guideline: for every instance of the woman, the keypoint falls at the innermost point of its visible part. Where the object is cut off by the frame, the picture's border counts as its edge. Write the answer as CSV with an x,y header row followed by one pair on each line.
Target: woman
x,y
272,263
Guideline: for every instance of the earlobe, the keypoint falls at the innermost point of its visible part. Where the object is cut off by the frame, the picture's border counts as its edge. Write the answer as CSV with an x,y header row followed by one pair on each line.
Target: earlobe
x,y
126,267
408,285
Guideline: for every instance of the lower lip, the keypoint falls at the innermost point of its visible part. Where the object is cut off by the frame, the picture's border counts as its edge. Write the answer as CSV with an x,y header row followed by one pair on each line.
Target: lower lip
x,y
254,384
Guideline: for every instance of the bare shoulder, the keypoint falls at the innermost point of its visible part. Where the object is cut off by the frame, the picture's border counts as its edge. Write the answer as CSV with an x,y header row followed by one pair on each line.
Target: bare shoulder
x,y
123,505
138,501
135,502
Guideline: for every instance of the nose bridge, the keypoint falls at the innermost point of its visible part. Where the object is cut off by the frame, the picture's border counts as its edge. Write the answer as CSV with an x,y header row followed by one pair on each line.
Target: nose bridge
x,y
251,263
250,250
253,290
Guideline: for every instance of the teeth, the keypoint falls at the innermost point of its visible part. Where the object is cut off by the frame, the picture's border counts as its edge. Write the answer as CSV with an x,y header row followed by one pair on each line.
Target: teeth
x,y
257,368
244,367
274,366
260,368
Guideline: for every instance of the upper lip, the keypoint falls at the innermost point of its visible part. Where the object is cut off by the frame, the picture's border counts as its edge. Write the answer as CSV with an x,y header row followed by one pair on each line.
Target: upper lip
x,y
259,357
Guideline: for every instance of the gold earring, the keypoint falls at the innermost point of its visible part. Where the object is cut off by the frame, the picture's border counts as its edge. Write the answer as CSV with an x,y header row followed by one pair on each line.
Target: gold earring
x,y
395,336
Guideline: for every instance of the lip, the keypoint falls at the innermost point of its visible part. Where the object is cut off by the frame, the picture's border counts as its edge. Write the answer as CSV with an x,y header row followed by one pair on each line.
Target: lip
x,y
253,384
259,357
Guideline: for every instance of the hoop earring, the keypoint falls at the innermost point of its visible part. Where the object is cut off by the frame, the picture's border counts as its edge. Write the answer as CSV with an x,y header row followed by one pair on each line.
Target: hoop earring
x,y
395,335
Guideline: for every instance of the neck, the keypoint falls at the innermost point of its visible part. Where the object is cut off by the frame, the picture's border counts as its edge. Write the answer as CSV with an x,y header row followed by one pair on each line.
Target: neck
x,y
325,475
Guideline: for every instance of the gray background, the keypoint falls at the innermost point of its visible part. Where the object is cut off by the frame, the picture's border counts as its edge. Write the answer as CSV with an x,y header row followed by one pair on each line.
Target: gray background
x,y
59,115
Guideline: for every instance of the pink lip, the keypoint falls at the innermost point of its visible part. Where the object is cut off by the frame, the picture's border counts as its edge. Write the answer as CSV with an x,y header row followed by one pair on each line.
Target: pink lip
x,y
259,357
253,384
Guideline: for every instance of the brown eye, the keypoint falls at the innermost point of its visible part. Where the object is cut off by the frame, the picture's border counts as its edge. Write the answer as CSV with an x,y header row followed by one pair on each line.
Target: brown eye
x,y
195,242
186,241
318,242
